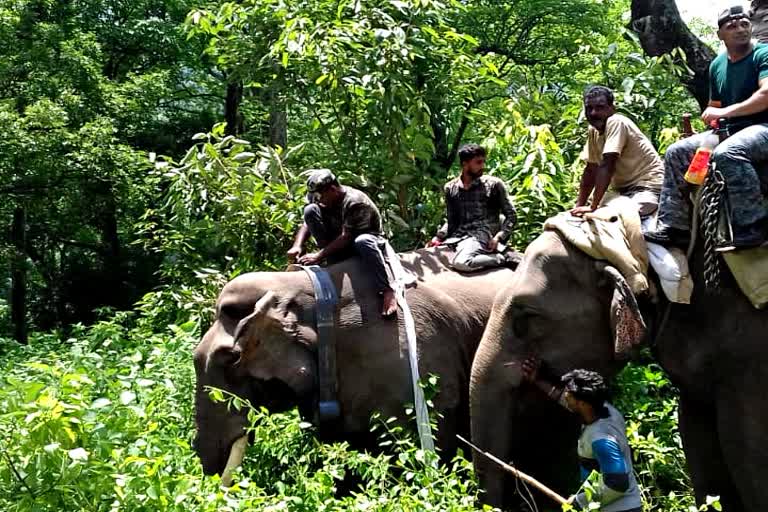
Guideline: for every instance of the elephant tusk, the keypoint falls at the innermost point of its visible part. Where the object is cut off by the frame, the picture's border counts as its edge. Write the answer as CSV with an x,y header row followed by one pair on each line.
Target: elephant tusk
x,y
236,455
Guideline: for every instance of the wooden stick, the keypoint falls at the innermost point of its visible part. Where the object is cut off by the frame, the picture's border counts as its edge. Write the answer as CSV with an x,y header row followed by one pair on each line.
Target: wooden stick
x,y
517,473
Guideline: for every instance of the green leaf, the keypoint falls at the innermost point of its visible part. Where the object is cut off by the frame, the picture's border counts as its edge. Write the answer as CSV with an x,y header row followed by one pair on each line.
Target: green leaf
x,y
100,403
78,454
245,156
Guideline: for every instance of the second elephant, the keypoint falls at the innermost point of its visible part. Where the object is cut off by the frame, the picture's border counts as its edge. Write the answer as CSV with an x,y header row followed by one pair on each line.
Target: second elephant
x,y
574,312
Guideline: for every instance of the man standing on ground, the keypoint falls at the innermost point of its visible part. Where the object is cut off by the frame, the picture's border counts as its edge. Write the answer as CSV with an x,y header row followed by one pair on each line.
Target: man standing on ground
x,y
474,203
603,445
738,92
618,155
343,221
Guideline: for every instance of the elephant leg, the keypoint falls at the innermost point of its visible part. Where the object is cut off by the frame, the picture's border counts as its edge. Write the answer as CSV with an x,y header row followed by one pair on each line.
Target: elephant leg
x,y
743,425
706,464
447,428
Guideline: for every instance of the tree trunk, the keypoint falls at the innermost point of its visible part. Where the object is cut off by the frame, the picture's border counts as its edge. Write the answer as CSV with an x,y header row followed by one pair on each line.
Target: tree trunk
x,y
232,115
661,29
278,127
759,17
278,117
19,276
111,239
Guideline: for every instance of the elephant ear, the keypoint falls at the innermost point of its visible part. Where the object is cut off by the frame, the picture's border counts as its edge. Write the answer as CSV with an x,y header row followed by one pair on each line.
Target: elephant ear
x,y
627,323
267,316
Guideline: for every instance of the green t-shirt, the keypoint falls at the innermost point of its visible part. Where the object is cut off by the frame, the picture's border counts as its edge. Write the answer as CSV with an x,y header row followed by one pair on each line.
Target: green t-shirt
x,y
734,82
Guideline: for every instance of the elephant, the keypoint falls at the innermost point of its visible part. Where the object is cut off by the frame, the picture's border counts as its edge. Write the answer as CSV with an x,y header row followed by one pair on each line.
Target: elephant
x,y
572,311
271,361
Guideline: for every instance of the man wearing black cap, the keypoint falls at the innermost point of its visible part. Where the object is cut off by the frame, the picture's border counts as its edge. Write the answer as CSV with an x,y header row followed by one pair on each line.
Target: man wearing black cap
x,y
343,221
739,93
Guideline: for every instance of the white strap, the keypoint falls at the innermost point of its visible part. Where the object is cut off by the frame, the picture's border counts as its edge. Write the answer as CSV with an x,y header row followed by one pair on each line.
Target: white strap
x,y
420,404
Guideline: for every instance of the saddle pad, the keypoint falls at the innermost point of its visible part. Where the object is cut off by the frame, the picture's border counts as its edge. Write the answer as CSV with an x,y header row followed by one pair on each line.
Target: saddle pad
x,y
750,269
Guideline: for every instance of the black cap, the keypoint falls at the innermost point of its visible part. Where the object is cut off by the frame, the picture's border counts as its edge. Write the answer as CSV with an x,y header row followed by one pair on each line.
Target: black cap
x,y
317,180
736,12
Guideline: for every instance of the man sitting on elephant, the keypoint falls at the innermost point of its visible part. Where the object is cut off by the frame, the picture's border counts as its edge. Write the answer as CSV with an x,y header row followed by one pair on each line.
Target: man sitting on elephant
x,y
474,203
343,221
603,444
738,92
618,154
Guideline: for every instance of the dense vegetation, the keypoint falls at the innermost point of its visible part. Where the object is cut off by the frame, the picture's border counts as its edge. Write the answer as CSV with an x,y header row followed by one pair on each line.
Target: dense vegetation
x,y
154,149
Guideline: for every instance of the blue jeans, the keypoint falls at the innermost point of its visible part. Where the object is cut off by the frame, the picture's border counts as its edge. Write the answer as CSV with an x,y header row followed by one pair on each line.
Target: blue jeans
x,y
739,159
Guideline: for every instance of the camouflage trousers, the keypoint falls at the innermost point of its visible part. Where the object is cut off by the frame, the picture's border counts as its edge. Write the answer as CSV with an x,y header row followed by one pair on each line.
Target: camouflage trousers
x,y
742,160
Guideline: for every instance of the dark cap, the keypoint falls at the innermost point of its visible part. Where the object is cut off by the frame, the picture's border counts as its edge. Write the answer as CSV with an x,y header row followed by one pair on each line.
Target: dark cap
x,y
736,12
319,179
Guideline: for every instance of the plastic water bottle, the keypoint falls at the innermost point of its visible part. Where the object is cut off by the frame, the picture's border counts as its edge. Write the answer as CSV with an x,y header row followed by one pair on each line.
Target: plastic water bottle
x,y
697,170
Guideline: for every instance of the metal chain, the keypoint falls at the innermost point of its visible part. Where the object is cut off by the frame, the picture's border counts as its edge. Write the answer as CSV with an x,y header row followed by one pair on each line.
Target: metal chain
x,y
711,205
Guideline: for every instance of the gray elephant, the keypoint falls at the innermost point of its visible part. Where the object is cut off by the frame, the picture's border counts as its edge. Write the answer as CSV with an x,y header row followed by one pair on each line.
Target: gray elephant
x,y
574,312
272,360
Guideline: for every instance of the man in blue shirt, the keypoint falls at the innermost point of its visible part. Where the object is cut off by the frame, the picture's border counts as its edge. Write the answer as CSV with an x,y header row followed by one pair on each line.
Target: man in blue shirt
x,y
603,445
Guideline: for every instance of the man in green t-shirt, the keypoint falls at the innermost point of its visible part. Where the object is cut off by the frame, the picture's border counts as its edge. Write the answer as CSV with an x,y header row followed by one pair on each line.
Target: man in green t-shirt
x,y
739,93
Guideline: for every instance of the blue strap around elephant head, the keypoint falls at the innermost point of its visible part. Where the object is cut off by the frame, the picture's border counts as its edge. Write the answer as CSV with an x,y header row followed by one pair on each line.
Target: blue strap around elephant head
x,y
326,299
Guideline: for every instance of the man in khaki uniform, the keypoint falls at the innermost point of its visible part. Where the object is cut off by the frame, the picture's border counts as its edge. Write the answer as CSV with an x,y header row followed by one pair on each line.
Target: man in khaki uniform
x,y
618,155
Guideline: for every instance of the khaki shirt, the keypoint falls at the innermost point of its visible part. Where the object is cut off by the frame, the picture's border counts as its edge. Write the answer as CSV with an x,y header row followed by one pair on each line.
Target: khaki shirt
x,y
638,165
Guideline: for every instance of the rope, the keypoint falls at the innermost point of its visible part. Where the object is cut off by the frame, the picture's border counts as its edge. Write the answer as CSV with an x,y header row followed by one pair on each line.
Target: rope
x,y
711,204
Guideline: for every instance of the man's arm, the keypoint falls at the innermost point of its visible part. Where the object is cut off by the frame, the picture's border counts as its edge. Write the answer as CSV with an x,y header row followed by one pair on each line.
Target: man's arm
x,y
603,176
587,184
298,243
615,481
358,219
595,180
341,242
756,103
509,212
442,233
530,373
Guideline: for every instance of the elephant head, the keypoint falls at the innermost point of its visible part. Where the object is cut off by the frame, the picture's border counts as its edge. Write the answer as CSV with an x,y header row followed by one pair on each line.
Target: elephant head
x,y
571,312
259,348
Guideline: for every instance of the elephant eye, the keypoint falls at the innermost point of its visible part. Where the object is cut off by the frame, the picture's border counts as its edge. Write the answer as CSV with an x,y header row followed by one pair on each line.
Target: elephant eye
x,y
520,325
526,321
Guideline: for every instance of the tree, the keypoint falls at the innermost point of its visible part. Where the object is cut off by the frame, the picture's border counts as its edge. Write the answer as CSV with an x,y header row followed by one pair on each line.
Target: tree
x,y
661,30
86,88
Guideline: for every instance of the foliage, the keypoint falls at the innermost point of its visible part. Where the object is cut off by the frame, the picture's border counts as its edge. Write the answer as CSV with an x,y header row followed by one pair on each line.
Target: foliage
x,y
649,404
383,92
87,87
223,201
104,423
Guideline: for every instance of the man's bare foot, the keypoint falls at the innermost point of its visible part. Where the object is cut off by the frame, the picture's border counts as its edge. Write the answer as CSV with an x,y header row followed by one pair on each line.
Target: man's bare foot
x,y
389,304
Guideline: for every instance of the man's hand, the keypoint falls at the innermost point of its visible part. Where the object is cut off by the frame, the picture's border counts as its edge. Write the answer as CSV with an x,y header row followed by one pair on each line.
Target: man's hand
x,y
293,254
433,243
493,243
312,258
579,211
530,369
713,114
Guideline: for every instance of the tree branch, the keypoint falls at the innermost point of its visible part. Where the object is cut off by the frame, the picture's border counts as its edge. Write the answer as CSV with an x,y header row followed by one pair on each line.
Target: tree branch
x,y
661,29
